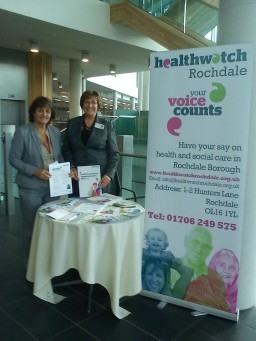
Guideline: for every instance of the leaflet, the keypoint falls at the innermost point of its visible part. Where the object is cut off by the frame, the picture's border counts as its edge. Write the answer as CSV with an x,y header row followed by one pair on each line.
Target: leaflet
x,y
105,198
89,181
87,208
60,182
62,214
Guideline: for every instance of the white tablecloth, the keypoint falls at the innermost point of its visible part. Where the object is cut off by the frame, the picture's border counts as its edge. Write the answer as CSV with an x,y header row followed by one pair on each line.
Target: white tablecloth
x,y
108,254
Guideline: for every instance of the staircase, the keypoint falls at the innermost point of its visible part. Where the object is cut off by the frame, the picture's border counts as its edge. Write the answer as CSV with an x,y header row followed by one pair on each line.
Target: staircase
x,y
165,26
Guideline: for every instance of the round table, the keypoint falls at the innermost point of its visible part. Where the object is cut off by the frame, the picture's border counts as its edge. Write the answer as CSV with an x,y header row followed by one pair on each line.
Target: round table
x,y
108,254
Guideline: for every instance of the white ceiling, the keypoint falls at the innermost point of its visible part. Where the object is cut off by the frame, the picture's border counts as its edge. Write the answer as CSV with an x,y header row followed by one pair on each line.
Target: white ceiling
x,y
64,44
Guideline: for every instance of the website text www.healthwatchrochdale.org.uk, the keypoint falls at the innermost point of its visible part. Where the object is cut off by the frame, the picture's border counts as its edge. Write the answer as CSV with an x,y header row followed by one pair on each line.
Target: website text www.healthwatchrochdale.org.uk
x,y
205,180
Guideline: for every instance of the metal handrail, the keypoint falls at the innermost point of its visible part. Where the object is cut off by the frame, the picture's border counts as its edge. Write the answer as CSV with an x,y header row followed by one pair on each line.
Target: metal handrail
x,y
139,156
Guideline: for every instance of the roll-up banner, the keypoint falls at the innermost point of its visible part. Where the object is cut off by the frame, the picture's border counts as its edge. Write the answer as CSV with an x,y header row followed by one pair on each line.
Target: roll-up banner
x,y
195,183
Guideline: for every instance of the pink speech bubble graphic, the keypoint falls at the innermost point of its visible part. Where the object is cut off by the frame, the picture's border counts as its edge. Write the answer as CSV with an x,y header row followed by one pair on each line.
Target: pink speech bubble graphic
x,y
173,124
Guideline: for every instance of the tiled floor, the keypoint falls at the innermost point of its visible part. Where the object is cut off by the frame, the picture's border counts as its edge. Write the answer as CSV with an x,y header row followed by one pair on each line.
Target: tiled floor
x,y
23,317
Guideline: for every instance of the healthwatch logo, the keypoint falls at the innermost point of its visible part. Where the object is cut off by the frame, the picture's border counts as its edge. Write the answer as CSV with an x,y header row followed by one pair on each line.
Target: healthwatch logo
x,y
195,60
206,100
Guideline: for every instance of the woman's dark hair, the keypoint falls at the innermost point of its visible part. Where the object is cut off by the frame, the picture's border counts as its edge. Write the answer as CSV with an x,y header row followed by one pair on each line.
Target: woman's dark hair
x,y
88,94
40,102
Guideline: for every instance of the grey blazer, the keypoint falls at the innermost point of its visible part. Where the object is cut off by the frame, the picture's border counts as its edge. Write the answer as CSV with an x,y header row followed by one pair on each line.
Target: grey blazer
x,y
101,148
25,154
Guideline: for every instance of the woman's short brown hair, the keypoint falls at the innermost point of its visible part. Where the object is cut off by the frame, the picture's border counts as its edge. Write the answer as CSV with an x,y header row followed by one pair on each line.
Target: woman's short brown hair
x,y
40,102
88,94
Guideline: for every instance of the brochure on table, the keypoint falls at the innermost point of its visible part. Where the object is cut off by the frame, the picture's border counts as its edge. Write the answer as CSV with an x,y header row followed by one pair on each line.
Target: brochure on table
x,y
89,178
60,182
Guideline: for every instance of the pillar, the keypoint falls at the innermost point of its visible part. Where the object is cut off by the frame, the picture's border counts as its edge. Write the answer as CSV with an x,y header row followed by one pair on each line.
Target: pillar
x,y
237,25
143,90
84,83
114,102
75,78
39,76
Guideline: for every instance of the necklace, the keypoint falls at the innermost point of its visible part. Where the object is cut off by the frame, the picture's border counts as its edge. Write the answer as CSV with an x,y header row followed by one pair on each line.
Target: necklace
x,y
85,126
47,143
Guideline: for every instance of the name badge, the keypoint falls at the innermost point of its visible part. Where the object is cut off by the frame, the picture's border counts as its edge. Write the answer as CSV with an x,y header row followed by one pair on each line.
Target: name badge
x,y
99,126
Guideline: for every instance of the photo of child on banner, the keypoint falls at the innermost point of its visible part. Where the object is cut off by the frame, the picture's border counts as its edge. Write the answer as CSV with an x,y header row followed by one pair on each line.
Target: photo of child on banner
x,y
157,263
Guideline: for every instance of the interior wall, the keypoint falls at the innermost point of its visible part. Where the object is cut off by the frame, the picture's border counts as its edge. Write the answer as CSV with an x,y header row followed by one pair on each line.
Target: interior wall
x,y
13,75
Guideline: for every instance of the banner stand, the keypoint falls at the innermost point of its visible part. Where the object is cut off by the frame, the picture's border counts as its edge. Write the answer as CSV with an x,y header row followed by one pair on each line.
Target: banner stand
x,y
161,305
192,306
196,174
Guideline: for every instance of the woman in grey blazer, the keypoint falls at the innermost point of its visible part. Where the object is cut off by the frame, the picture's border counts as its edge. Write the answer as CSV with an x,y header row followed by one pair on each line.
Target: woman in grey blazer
x,y
34,147
90,140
